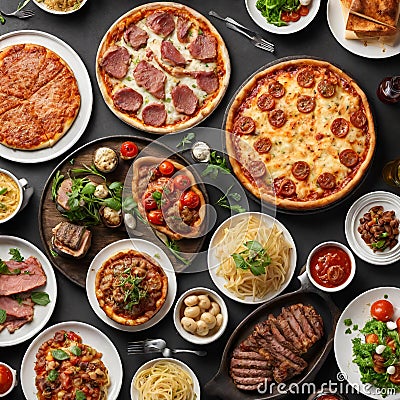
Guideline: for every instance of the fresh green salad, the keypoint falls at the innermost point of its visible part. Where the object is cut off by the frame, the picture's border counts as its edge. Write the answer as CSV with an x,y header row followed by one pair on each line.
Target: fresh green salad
x,y
272,10
375,353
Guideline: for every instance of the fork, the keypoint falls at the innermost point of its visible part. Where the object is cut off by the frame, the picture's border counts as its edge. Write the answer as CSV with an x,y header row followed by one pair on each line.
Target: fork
x,y
157,346
21,14
255,37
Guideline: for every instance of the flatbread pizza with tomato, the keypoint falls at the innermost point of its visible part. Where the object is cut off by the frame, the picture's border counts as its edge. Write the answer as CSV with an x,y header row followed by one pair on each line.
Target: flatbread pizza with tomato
x,y
168,197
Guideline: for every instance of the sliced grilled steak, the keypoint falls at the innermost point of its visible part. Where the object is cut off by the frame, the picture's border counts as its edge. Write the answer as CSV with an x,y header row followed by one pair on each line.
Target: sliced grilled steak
x,y
245,355
136,37
297,311
127,99
171,54
250,364
63,195
161,23
70,234
289,334
207,81
116,61
184,99
154,114
305,341
315,320
249,380
250,372
182,29
248,388
284,372
204,48
151,79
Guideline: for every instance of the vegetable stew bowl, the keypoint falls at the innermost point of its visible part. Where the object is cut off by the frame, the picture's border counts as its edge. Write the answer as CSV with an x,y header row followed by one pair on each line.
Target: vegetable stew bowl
x,y
42,5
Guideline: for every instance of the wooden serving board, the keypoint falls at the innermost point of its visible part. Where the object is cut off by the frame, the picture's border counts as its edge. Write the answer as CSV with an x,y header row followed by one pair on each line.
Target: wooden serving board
x,y
49,216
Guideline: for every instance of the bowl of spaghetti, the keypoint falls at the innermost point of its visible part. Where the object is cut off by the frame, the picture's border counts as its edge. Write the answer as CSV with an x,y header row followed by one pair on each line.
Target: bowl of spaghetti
x,y
165,378
252,257
11,195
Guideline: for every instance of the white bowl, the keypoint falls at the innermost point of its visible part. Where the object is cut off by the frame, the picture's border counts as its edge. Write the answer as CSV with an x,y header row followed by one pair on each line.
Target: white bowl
x,y
14,381
352,261
190,337
49,10
196,385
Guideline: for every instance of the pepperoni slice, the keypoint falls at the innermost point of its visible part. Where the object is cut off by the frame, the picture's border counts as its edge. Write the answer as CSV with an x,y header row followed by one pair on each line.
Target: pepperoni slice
x,y
266,102
358,118
257,169
305,78
305,104
349,158
340,127
244,126
277,118
276,89
263,145
327,181
287,188
326,89
300,170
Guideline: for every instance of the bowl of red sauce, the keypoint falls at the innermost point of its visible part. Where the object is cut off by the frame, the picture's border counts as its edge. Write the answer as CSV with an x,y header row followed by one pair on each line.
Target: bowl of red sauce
x,y
331,266
8,379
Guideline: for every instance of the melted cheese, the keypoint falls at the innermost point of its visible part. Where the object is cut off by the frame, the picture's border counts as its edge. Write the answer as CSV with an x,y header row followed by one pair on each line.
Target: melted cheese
x,y
305,137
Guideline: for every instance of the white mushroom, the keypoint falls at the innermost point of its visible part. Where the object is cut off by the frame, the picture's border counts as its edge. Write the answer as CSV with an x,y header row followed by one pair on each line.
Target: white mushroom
x,y
189,324
209,319
101,191
191,301
204,302
215,308
192,312
202,328
219,319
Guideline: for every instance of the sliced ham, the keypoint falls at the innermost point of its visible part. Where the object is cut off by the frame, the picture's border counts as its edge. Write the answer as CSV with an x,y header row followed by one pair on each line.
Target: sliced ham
x,y
136,37
116,62
128,100
207,81
185,101
182,29
150,78
63,195
161,23
154,114
171,54
18,312
204,48
31,277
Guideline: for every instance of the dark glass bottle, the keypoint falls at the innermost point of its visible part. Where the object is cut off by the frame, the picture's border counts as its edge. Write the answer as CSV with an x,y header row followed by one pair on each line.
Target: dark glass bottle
x,y
389,90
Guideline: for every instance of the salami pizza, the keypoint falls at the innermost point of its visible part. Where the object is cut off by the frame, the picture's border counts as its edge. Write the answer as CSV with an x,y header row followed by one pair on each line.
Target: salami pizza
x,y
162,67
168,197
39,97
300,134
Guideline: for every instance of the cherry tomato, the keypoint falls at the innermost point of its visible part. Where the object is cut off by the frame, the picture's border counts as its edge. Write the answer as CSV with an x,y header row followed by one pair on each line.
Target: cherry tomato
x,y
166,168
190,199
6,379
129,150
303,11
398,324
382,310
182,182
155,217
73,336
294,16
149,203
285,16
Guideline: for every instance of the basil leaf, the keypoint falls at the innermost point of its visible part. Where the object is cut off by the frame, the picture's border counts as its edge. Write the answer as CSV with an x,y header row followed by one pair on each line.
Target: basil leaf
x,y
40,298
115,185
88,189
3,316
257,269
239,261
79,395
16,255
3,191
75,350
60,355
53,375
254,247
112,203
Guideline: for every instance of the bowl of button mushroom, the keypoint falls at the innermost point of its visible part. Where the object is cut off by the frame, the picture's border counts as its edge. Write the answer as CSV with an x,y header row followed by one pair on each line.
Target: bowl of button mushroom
x,y
200,315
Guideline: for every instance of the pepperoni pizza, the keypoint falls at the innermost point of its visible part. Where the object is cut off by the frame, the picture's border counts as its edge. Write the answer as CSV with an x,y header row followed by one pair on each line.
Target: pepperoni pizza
x,y
162,67
39,97
300,134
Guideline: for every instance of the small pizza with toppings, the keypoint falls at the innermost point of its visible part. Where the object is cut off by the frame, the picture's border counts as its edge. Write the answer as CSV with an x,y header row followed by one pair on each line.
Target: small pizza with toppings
x,y
162,67
168,197
300,134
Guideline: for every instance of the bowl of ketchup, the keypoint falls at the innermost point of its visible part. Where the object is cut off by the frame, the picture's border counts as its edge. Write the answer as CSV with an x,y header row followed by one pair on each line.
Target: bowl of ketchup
x,y
331,266
8,379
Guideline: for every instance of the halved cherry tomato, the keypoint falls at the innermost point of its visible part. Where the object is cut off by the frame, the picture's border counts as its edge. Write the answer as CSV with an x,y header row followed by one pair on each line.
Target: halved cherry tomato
x,y
155,217
190,199
73,336
294,16
129,150
166,168
285,16
303,11
382,310
6,379
398,324
149,203
182,182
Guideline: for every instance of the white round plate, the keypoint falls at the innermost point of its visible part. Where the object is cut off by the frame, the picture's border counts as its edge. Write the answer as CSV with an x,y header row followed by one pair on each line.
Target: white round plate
x,y
388,201
292,27
49,10
90,336
213,261
144,247
196,386
41,314
359,313
85,89
358,47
